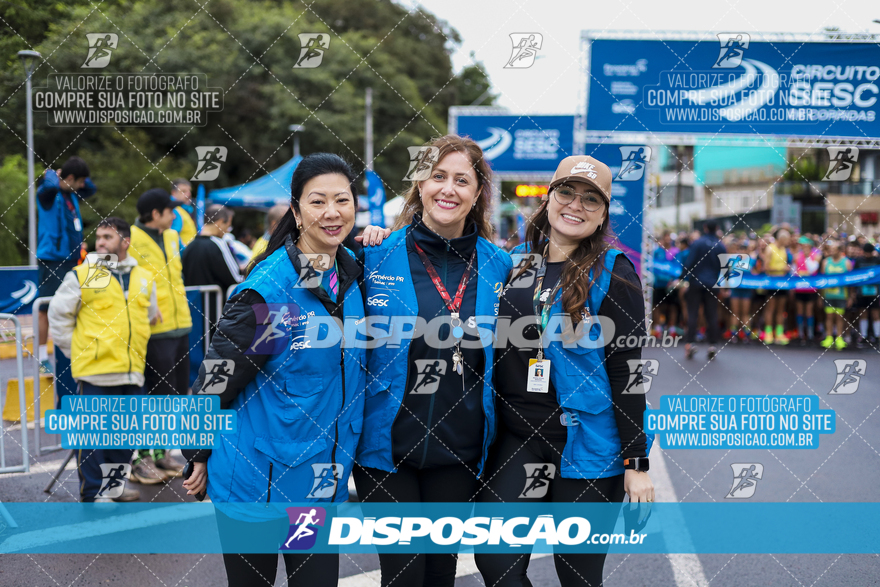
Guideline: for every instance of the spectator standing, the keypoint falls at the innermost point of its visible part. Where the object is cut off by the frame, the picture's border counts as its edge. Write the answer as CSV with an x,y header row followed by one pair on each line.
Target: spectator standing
x,y
156,247
100,317
702,269
273,217
59,238
208,259
181,191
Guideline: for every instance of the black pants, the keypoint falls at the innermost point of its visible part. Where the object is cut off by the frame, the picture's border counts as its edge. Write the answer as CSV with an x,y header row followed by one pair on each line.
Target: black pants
x,y
89,461
454,483
509,480
255,569
695,295
167,369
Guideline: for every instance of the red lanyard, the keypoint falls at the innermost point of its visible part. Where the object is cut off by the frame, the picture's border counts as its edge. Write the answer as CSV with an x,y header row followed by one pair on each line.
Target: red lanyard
x,y
453,305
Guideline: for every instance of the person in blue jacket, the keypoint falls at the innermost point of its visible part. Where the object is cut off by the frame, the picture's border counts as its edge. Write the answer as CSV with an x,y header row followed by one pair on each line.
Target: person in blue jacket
x,y
571,397
431,406
299,401
59,237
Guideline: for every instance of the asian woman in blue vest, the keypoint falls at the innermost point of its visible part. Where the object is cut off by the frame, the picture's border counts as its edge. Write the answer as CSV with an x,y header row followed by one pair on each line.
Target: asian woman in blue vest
x,y
430,406
299,403
570,418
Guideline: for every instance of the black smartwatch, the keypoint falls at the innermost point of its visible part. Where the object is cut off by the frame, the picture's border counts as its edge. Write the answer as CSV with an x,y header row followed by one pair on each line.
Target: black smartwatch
x,y
636,463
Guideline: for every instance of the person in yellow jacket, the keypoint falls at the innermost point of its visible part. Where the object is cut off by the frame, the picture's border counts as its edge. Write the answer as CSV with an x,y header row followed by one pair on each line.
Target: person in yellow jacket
x,y
155,246
100,318
181,190
273,217
778,262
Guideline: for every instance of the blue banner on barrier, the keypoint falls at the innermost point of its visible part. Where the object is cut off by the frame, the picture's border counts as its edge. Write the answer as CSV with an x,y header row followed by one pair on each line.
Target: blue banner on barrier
x,y
18,289
443,527
375,198
516,144
868,275
734,83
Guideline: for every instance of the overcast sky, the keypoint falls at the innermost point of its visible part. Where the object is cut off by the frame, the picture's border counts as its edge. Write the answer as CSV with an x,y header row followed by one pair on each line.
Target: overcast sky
x,y
550,85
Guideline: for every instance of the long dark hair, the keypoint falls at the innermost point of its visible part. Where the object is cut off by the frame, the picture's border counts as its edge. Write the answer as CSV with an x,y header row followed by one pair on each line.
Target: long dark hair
x,y
589,254
310,167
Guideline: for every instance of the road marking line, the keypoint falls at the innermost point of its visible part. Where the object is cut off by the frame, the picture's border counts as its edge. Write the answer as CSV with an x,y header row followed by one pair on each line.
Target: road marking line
x,y
686,567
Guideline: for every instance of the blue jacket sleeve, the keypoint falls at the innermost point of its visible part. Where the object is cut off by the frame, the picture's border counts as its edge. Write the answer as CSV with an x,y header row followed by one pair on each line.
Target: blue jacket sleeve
x,y
48,189
88,190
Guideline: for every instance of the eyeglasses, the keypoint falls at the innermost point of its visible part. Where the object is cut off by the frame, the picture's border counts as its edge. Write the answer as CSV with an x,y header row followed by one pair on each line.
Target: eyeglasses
x,y
591,201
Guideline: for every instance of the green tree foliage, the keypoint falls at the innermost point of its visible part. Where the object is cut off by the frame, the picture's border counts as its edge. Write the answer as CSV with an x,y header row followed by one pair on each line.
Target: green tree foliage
x,y
13,210
248,49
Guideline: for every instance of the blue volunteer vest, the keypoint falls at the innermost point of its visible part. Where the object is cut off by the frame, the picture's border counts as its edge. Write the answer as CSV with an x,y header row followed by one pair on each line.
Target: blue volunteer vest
x,y
300,418
592,447
387,277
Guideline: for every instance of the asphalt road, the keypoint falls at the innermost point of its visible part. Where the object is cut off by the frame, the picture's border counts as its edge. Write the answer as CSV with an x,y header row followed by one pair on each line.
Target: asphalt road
x,y
843,469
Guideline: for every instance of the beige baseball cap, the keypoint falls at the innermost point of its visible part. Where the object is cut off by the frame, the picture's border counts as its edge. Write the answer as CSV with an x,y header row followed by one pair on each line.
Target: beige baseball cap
x,y
584,169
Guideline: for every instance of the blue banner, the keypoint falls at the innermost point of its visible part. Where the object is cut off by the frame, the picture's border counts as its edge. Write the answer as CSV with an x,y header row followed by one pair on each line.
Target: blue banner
x,y
518,144
627,195
18,289
443,527
734,83
375,198
200,207
868,275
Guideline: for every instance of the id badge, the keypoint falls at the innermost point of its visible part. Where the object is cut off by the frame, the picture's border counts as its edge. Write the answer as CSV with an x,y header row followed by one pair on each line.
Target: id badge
x,y
539,376
77,224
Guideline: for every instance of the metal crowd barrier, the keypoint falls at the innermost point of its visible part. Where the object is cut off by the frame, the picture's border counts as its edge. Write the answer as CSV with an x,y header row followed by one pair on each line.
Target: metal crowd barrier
x,y
19,365
39,450
207,291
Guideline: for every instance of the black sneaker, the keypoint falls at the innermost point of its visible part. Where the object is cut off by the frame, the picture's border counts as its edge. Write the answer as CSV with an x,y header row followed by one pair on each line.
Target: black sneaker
x,y
712,352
